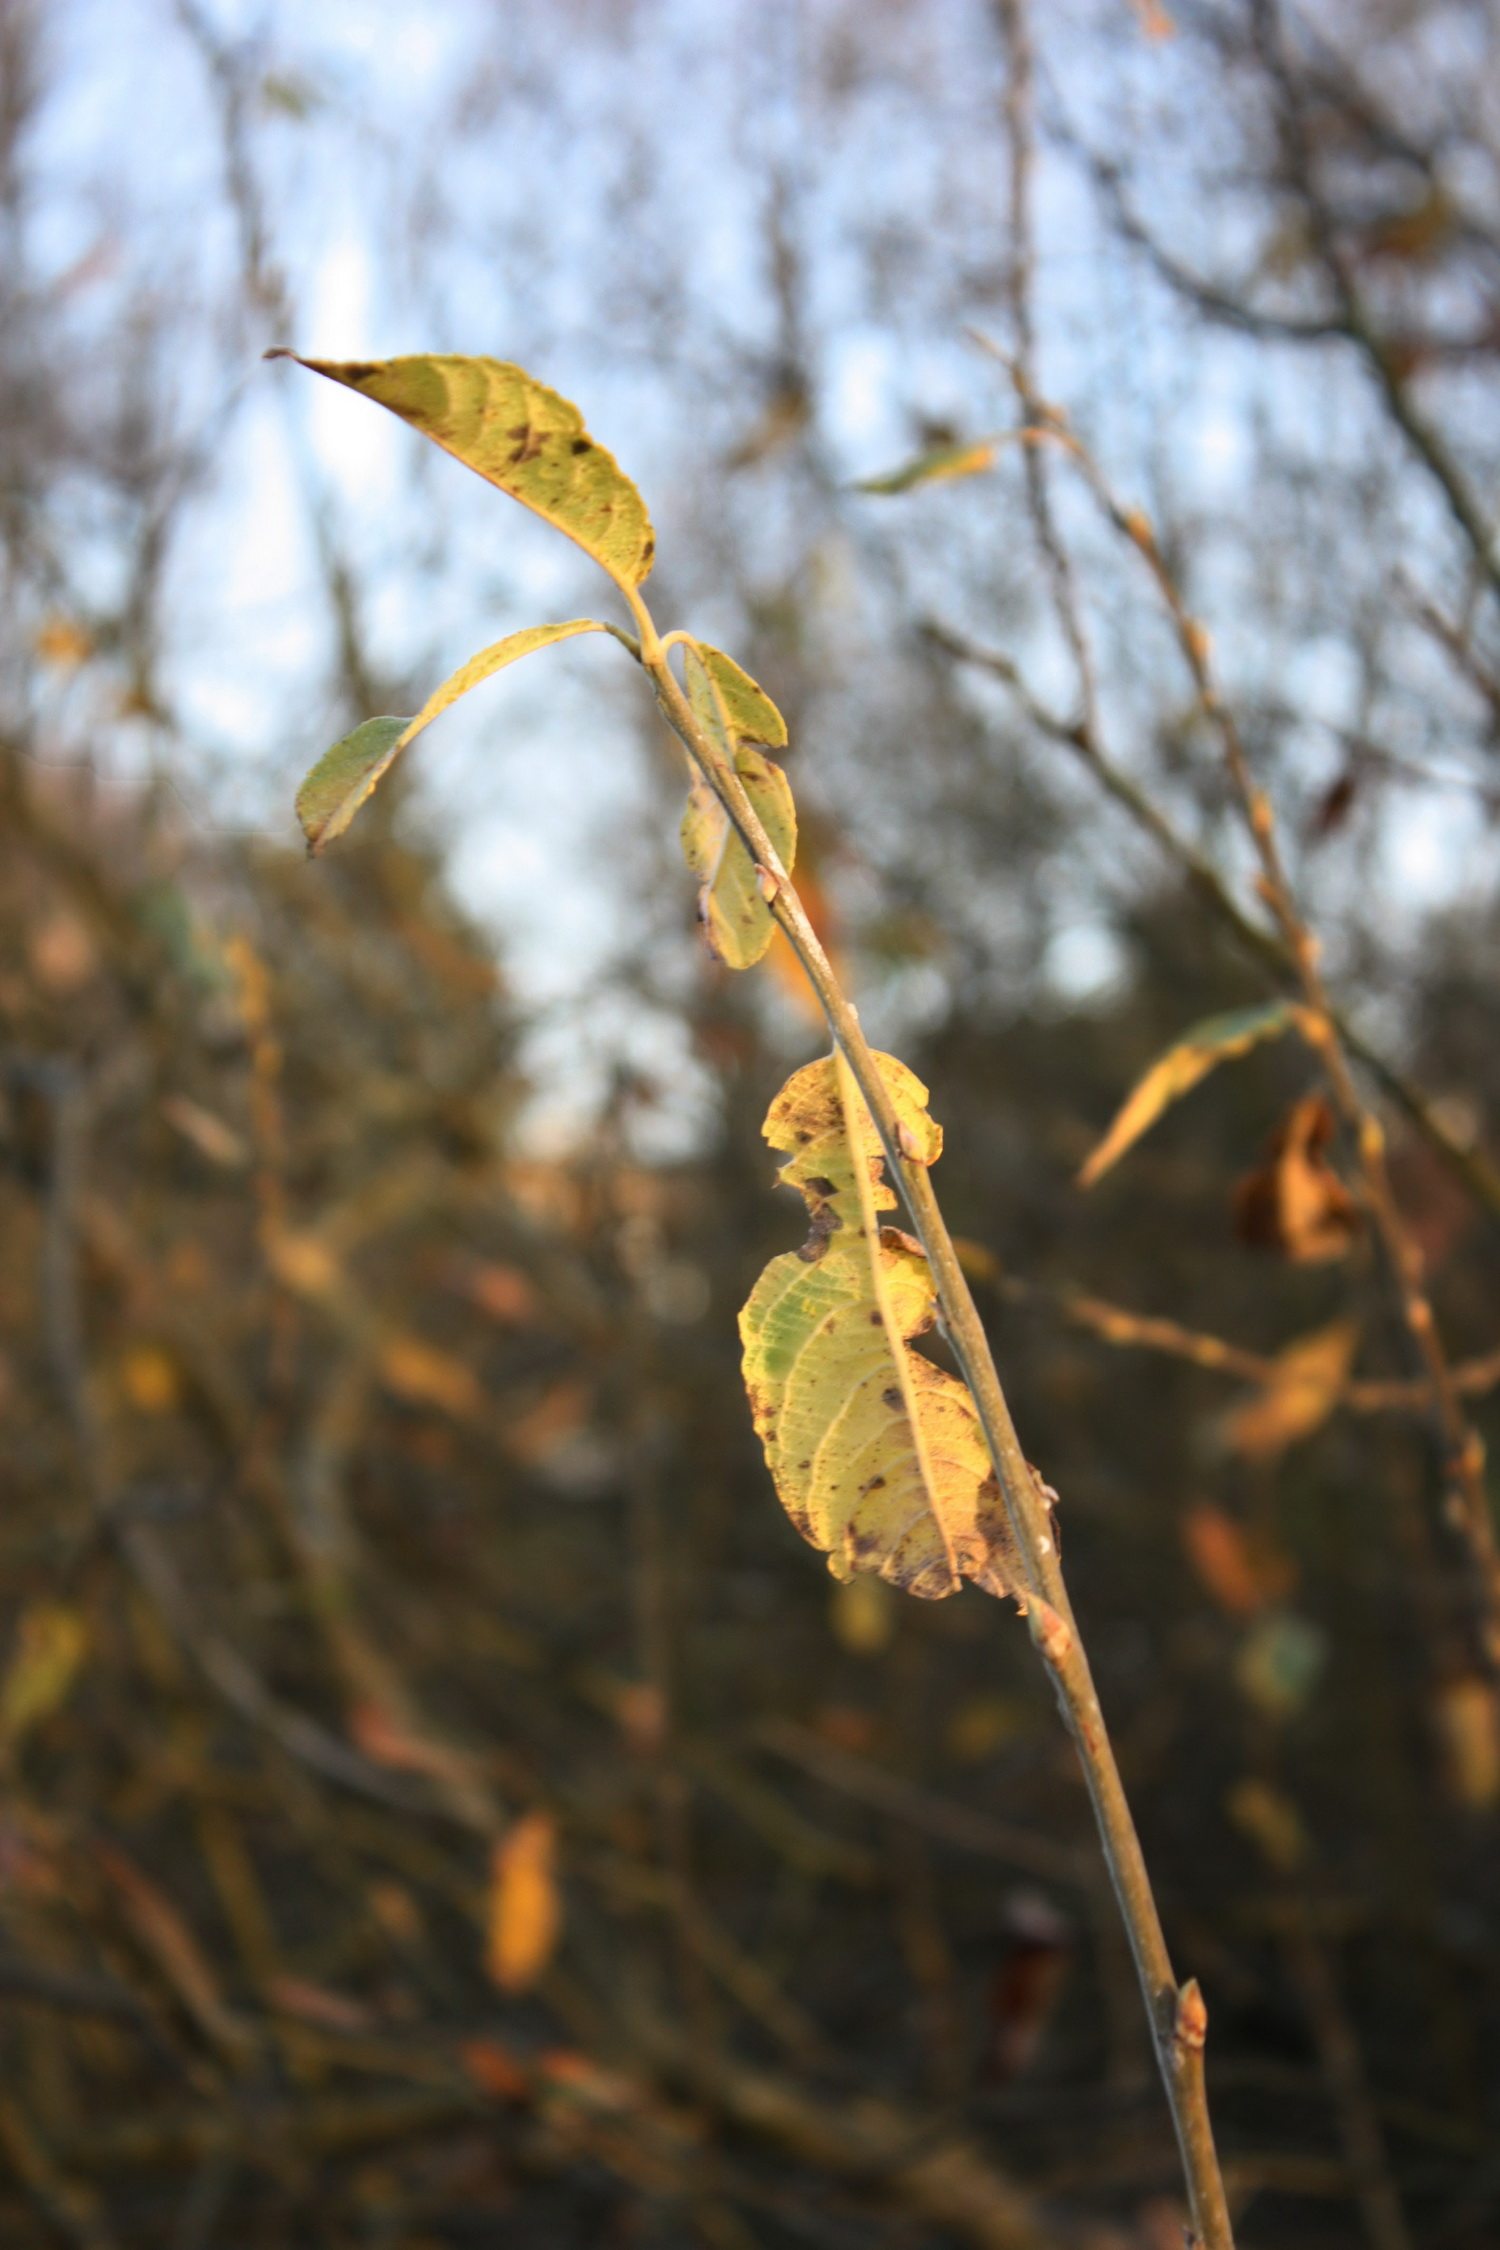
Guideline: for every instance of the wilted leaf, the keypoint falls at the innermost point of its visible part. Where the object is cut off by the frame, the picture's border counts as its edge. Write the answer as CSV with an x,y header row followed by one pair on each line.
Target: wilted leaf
x,y
1217,1039
525,1910
50,1647
519,435
1295,1202
942,461
877,1454
1304,1387
345,776
731,904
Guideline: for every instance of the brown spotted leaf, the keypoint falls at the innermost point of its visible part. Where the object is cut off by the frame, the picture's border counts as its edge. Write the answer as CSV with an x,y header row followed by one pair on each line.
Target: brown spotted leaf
x,y
877,1455
519,435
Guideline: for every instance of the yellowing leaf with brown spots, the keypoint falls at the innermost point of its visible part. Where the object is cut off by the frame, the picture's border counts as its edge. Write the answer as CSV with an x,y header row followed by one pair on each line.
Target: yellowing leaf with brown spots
x,y
876,1453
519,435
525,1909
738,716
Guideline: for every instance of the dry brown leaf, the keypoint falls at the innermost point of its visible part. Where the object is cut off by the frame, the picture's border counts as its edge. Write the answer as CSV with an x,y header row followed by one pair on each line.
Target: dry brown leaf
x,y
525,1907
1305,1383
1295,1202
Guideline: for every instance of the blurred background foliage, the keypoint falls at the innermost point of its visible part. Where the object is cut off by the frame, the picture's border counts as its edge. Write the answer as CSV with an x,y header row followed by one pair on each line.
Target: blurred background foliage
x,y
444,1801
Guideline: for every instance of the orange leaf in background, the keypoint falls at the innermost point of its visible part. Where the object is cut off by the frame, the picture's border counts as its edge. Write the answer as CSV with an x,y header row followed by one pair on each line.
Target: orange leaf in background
x,y
150,1379
558,1413
424,1376
504,1292
62,953
1305,1383
1241,1577
314,2004
494,2070
782,962
63,642
1295,1202
1468,1721
525,1910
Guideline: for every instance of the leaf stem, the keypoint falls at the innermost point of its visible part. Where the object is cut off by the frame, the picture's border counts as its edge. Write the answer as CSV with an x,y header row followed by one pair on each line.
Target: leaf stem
x,y
1177,2015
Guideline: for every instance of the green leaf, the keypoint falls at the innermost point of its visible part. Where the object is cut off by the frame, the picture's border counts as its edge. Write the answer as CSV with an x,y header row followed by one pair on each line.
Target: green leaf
x,y
729,706
1217,1039
943,461
748,710
351,771
877,1454
521,436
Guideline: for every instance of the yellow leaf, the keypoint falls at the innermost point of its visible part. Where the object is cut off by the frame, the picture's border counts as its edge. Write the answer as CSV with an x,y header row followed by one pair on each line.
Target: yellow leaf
x,y
876,1453
428,1377
50,1647
150,1378
1468,1716
1305,1383
731,903
517,434
525,1909
64,642
942,463
1217,1039
303,1265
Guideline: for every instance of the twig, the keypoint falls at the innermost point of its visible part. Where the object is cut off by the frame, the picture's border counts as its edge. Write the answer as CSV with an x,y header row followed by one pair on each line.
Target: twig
x,y
1176,2013
1468,1508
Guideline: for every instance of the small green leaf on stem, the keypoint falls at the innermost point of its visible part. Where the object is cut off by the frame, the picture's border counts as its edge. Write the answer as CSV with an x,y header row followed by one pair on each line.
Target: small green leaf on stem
x,y
1216,1039
345,776
735,895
